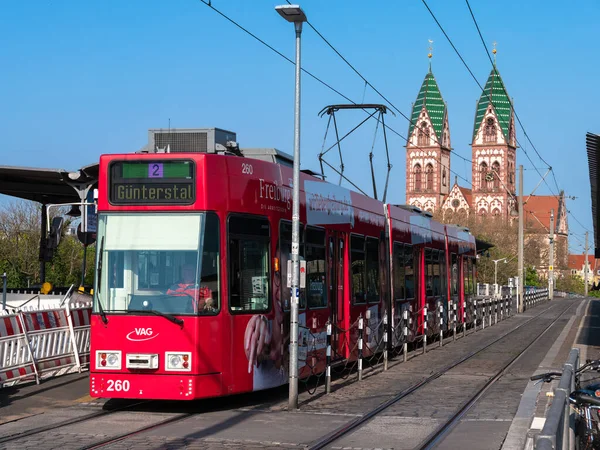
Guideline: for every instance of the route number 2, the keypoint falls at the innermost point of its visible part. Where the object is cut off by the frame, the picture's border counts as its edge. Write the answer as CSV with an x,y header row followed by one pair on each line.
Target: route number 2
x,y
118,386
247,169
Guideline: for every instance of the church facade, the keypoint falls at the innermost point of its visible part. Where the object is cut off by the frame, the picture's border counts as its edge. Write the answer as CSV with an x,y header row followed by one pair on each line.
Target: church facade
x,y
493,169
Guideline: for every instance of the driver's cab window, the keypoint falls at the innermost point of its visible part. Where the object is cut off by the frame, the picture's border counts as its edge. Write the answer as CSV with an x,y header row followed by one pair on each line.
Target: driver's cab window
x,y
163,263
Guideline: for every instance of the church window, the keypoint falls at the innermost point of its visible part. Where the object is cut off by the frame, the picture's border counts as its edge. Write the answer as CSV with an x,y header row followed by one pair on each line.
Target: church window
x,y
496,212
423,137
496,172
489,134
482,212
418,176
444,176
429,177
483,170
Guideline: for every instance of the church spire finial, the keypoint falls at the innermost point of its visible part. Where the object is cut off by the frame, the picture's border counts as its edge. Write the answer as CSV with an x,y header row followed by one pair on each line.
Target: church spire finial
x,y
430,53
494,51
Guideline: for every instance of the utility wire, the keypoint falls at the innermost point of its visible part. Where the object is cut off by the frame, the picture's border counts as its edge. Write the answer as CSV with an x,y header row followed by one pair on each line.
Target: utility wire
x,y
208,3
492,62
367,83
471,72
516,115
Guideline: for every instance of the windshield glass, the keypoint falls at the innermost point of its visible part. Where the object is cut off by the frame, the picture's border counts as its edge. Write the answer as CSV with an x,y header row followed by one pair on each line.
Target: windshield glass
x,y
162,262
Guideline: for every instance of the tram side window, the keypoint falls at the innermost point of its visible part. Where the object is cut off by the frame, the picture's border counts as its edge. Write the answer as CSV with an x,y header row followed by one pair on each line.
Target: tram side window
x,y
399,272
409,270
468,275
437,273
443,279
372,259
285,255
315,268
249,264
357,257
429,272
454,279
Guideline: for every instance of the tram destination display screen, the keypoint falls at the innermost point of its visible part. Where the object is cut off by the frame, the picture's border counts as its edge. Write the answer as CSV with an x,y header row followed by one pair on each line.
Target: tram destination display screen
x,y
159,182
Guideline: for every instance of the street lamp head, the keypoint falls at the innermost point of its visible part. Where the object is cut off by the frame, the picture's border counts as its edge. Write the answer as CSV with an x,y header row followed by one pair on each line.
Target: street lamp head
x,y
291,13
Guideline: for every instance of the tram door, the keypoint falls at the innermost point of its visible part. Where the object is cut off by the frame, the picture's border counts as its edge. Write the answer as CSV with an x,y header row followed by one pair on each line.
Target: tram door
x,y
336,264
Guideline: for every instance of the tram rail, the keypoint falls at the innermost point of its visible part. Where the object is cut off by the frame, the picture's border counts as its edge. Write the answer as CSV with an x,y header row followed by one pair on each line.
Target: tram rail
x,y
444,429
65,423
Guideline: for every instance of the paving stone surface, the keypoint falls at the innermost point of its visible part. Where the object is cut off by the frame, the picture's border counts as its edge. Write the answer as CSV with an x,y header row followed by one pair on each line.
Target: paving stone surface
x,y
261,420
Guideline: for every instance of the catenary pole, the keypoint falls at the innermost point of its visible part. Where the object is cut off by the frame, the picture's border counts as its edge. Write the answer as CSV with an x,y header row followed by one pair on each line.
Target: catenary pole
x,y
521,243
551,262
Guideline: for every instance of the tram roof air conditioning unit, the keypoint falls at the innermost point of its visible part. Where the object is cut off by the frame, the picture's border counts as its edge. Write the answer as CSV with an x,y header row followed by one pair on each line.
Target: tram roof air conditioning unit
x,y
190,140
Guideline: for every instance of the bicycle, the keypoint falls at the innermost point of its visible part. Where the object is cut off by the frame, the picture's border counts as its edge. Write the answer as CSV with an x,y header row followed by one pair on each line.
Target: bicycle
x,y
586,403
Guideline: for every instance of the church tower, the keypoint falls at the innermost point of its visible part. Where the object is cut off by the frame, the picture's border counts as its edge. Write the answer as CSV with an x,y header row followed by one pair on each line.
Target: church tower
x,y
428,148
494,151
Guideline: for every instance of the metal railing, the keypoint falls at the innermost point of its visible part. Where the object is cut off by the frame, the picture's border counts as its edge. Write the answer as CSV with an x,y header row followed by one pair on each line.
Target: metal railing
x,y
559,430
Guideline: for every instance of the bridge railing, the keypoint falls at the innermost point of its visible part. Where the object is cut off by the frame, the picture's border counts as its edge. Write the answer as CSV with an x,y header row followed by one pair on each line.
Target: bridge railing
x,y
558,431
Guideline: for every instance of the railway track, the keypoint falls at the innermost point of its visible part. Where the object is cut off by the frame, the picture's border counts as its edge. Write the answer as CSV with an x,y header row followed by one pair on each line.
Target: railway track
x,y
65,423
443,430
330,439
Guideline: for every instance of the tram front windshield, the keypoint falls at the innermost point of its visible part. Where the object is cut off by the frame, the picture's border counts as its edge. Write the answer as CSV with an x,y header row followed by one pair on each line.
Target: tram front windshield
x,y
166,263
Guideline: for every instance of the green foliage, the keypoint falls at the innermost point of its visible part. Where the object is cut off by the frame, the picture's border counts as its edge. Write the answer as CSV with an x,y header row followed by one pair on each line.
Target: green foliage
x,y
20,226
571,283
531,277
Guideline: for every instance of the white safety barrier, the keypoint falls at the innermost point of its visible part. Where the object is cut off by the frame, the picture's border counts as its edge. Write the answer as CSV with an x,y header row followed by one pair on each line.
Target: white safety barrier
x,y
36,342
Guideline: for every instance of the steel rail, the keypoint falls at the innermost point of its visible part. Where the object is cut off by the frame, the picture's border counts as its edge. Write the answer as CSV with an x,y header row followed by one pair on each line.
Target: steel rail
x,y
347,428
65,423
438,435
124,436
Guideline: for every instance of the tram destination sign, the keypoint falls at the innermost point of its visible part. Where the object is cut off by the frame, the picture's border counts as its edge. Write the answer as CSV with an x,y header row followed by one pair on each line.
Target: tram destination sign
x,y
160,182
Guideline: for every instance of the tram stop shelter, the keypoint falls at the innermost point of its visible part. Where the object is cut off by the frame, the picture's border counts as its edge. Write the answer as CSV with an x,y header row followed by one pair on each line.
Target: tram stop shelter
x,y
48,187
593,151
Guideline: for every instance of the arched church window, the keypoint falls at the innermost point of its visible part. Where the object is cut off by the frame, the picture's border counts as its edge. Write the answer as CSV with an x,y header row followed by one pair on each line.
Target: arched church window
x,y
483,170
429,177
444,176
496,173
482,212
496,212
417,175
423,137
489,134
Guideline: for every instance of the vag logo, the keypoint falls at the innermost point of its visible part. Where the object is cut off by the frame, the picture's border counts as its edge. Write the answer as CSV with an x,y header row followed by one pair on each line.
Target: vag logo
x,y
141,334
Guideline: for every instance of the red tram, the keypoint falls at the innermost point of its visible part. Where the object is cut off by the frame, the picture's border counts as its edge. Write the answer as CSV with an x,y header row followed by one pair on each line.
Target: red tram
x,y
190,299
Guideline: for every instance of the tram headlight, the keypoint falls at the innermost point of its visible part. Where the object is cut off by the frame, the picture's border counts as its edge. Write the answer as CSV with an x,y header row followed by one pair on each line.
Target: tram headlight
x,y
178,361
108,359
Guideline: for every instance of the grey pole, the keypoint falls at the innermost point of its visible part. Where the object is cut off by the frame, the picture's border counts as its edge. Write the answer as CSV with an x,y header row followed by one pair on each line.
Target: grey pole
x,y
551,263
4,291
521,277
495,273
294,14
585,265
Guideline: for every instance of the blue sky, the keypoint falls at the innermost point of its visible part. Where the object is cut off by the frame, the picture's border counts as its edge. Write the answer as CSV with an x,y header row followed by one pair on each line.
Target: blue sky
x,y
80,79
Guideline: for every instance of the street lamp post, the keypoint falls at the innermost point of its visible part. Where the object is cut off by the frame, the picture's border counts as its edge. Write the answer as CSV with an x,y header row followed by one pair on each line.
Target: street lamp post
x,y
294,14
496,261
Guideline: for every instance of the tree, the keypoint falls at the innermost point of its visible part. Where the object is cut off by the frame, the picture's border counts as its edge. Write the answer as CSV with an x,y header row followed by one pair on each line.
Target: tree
x,y
20,230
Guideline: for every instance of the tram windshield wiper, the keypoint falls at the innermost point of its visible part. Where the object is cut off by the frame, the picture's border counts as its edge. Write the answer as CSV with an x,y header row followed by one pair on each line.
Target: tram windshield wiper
x,y
169,317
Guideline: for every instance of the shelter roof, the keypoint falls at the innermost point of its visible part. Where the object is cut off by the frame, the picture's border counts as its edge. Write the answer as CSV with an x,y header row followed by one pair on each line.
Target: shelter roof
x,y
45,185
593,151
